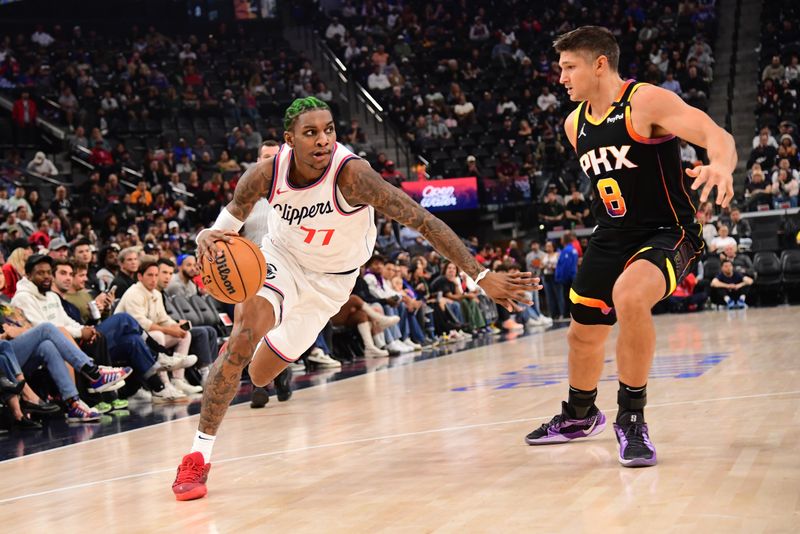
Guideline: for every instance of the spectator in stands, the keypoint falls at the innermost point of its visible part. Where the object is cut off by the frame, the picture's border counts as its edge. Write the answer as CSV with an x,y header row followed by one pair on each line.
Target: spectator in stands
x,y
722,240
204,337
24,115
741,262
14,267
378,280
730,287
547,101
335,32
69,106
770,138
41,165
18,200
144,302
479,32
688,154
101,157
128,269
109,267
763,153
757,191
392,175
378,81
774,71
58,249
740,228
552,211
577,210
671,84
785,189
226,164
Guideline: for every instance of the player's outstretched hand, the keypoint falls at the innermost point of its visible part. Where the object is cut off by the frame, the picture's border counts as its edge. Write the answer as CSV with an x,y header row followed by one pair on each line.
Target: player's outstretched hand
x,y
710,176
206,240
507,288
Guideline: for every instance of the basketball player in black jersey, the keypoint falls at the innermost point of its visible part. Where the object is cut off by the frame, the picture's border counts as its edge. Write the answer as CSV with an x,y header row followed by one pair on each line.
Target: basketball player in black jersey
x,y
626,138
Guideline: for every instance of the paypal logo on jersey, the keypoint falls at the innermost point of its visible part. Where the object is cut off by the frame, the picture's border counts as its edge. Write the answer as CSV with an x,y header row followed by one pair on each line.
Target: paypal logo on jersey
x,y
598,157
294,215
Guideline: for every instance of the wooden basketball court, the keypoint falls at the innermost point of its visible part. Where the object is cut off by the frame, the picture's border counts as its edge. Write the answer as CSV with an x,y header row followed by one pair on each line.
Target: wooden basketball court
x,y
437,446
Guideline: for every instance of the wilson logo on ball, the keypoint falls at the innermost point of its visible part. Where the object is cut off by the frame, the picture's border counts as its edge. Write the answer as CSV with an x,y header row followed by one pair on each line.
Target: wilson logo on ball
x,y
224,274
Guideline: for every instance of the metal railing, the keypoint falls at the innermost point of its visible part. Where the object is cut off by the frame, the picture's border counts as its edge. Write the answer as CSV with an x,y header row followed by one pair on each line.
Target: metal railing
x,y
356,97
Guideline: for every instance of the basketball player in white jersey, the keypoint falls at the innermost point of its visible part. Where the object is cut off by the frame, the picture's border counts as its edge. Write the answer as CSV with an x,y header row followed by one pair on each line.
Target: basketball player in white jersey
x,y
321,230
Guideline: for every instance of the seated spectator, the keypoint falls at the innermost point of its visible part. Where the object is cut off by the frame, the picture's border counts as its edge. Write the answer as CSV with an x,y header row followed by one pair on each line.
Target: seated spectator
x,y
356,313
688,154
226,164
757,191
100,156
18,200
452,289
741,262
386,241
687,296
14,268
204,337
144,302
378,81
58,249
577,210
722,240
12,385
730,287
381,291
41,165
552,212
763,153
392,175
128,267
740,228
785,189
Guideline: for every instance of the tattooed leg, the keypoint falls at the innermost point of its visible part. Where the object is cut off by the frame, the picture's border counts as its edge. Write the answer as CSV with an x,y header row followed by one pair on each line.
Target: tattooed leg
x,y
253,319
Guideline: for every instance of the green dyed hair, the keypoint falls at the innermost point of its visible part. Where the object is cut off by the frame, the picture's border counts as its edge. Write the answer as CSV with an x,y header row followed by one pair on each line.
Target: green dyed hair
x,y
300,106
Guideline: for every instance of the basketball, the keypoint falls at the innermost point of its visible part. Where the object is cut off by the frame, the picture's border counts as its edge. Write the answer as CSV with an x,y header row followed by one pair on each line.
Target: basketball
x,y
237,274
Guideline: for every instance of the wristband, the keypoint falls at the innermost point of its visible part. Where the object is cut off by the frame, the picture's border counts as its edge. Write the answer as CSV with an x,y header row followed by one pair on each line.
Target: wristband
x,y
225,221
481,275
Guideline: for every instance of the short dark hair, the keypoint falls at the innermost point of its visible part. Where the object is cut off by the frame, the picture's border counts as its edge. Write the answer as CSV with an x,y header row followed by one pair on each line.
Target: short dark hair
x,y
270,142
146,264
596,40
64,261
165,261
79,266
81,241
377,258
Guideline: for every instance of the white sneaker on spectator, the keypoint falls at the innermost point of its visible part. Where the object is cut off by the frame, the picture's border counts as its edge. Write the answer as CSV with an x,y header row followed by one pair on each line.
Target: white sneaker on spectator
x,y
375,352
168,394
385,321
410,343
141,395
535,321
398,347
547,320
182,385
323,360
298,366
178,361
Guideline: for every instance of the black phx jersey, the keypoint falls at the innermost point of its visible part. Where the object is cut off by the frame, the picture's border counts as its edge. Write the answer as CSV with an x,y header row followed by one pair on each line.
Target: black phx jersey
x,y
638,182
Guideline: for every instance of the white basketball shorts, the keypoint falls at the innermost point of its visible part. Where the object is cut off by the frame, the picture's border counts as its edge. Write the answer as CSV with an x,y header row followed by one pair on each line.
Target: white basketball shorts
x,y
303,300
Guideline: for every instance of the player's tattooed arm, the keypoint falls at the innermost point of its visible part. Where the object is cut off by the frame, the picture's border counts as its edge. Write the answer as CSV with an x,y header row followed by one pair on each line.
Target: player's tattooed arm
x,y
360,184
254,185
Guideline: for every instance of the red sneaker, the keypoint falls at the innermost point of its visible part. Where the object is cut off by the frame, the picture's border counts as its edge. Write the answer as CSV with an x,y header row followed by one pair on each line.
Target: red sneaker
x,y
190,482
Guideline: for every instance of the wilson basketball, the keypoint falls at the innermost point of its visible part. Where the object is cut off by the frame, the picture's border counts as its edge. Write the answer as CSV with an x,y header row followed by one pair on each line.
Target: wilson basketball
x,y
237,274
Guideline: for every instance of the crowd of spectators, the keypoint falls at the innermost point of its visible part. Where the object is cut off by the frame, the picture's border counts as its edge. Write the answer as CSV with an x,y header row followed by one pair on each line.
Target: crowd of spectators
x,y
773,176
476,91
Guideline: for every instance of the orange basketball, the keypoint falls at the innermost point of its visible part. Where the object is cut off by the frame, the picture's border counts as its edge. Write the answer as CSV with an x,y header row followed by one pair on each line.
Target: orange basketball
x,y
237,274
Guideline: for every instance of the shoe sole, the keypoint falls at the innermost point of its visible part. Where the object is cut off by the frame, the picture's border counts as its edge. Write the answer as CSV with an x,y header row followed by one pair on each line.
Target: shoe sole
x,y
260,398
639,462
554,440
107,388
195,493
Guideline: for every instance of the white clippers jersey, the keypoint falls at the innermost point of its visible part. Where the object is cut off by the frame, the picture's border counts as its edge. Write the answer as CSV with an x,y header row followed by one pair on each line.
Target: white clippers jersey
x,y
315,223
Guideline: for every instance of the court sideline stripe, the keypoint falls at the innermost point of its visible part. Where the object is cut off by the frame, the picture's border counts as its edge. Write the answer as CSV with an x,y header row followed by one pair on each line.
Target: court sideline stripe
x,y
377,438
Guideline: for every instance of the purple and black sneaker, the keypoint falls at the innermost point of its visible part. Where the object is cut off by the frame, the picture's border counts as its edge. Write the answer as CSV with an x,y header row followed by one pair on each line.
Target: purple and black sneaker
x,y
562,428
635,449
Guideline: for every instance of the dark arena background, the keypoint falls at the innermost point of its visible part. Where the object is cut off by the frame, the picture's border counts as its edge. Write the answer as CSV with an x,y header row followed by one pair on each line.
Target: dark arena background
x,y
125,126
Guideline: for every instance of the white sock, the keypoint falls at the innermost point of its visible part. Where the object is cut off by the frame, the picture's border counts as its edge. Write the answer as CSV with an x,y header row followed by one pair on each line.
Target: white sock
x,y
204,444
365,331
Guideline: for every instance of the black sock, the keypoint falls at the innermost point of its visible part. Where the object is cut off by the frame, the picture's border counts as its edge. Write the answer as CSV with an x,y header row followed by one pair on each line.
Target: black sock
x,y
631,401
579,402
91,371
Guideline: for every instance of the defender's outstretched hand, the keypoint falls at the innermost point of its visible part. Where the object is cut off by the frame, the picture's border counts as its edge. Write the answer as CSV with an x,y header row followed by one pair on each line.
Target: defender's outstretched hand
x,y
206,240
710,176
507,288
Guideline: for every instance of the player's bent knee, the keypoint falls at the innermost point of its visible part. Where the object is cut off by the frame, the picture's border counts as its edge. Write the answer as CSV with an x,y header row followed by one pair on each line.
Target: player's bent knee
x,y
585,336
